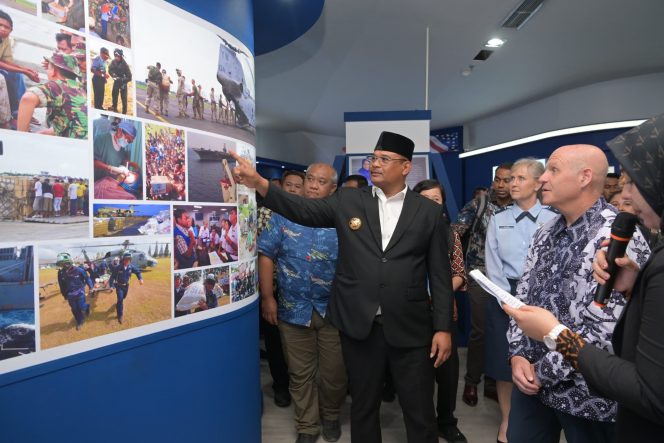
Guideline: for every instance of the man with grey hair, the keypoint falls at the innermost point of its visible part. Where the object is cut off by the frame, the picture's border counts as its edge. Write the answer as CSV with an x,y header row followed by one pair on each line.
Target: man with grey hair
x,y
305,260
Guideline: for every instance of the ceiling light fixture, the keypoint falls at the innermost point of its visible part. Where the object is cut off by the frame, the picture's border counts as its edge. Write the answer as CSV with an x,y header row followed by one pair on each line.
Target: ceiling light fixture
x,y
495,43
467,71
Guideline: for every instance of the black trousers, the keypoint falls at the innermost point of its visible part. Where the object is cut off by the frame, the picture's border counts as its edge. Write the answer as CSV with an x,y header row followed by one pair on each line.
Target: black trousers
x,y
447,378
119,88
475,361
98,87
275,355
533,422
413,374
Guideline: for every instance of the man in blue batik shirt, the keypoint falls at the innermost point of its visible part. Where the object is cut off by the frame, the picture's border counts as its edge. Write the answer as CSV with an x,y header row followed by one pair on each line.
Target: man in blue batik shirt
x,y
558,276
120,280
305,260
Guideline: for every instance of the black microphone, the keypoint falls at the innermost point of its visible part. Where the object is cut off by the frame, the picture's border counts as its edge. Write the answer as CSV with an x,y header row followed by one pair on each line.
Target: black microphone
x,y
622,230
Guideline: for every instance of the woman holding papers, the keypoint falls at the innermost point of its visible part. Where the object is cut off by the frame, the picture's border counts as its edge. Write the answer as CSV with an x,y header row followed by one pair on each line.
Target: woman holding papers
x,y
508,237
633,376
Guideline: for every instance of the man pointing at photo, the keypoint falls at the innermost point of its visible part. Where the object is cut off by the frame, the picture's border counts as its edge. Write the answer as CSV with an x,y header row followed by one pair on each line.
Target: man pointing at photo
x,y
392,295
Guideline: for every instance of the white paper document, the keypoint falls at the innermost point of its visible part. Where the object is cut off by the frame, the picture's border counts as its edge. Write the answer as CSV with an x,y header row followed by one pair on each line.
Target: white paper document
x,y
499,293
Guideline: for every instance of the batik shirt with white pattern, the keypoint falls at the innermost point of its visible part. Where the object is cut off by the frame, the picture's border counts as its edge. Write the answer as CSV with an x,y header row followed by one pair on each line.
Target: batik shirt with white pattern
x,y
558,277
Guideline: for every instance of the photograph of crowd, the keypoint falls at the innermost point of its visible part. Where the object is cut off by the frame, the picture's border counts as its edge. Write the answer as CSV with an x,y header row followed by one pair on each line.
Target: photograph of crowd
x,y
244,281
117,158
70,13
200,290
17,302
42,78
214,93
43,196
100,286
112,86
247,217
109,20
209,168
204,235
122,220
27,6
165,163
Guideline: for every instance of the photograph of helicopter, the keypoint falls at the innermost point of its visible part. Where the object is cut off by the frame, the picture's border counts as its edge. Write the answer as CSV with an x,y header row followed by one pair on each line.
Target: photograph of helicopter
x,y
176,85
109,298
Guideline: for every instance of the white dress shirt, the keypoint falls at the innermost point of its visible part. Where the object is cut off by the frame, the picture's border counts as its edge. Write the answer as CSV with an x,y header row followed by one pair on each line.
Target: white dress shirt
x,y
389,211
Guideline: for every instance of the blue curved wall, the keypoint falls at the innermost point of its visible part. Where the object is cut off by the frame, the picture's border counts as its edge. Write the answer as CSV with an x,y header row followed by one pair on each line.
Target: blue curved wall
x,y
194,383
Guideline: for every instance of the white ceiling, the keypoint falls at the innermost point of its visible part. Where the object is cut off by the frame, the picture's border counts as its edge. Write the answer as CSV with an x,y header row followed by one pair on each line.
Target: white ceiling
x,y
369,55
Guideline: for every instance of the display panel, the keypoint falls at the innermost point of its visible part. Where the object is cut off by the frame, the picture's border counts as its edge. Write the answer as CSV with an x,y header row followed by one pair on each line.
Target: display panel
x,y
115,184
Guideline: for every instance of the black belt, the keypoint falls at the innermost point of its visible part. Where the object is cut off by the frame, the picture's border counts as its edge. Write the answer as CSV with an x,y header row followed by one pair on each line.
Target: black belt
x,y
513,284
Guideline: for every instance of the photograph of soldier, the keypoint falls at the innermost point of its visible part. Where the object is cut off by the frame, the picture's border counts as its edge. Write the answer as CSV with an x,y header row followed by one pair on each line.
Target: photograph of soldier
x,y
200,290
17,305
244,282
165,163
118,158
72,281
114,301
122,220
224,76
109,20
30,173
70,13
247,223
112,84
42,78
27,6
204,235
120,276
209,172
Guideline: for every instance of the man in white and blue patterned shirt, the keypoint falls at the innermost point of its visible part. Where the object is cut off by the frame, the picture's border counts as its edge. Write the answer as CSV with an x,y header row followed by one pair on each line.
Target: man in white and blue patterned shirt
x,y
558,276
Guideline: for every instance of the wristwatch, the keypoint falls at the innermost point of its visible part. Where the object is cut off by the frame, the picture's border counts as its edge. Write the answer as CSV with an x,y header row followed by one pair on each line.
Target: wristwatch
x,y
550,338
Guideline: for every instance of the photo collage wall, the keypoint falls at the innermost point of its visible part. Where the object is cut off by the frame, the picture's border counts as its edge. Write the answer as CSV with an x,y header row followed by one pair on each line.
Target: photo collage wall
x,y
118,209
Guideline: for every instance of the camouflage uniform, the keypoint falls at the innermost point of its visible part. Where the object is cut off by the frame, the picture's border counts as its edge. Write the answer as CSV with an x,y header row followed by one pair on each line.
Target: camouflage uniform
x,y
154,80
65,100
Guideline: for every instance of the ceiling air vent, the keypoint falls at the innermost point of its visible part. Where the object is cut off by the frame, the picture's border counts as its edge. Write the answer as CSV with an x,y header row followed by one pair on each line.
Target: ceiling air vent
x,y
522,14
483,55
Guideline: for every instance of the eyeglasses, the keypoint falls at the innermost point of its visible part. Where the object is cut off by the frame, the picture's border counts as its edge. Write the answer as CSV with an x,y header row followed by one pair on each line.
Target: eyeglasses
x,y
384,159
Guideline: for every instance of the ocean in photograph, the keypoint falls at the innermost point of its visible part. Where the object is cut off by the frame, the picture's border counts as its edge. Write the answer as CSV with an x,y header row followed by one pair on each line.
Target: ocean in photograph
x,y
204,184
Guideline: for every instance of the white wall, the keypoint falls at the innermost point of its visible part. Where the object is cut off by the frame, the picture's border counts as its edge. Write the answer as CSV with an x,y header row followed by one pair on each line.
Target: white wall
x,y
628,98
362,136
298,147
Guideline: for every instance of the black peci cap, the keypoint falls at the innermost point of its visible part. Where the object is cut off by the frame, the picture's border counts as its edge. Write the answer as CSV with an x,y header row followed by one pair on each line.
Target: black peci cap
x,y
397,143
